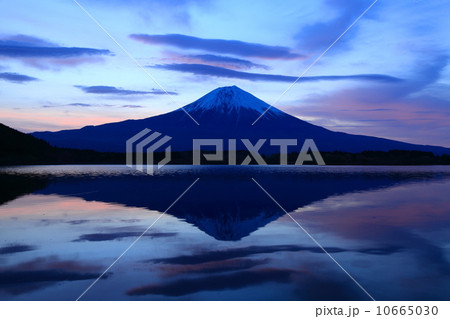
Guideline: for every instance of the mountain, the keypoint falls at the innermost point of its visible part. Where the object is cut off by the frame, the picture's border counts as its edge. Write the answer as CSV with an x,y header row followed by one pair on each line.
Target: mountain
x,y
15,144
225,113
226,206
17,148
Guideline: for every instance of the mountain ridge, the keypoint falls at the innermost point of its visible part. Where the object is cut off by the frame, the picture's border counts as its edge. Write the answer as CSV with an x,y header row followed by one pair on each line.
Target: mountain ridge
x,y
224,113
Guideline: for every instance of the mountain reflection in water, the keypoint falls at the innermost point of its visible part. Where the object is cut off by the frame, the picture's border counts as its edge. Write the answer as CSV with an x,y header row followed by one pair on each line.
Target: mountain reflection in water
x,y
374,219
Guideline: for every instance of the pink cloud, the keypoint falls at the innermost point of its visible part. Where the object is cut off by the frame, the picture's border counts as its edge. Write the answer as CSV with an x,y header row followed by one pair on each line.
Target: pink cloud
x,y
57,64
369,111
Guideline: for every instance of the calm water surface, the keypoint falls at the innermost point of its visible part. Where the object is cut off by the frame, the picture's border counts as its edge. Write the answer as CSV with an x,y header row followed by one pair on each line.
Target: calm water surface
x,y
225,239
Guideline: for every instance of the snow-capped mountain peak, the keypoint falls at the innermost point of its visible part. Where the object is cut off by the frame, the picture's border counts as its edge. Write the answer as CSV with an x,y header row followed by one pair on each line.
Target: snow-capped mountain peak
x,y
230,99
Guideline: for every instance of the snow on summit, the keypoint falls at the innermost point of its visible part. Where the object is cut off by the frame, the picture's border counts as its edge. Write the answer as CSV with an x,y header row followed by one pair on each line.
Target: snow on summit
x,y
230,99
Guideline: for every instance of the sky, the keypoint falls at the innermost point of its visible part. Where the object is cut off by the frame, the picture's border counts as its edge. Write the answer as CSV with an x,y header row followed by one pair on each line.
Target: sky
x,y
388,76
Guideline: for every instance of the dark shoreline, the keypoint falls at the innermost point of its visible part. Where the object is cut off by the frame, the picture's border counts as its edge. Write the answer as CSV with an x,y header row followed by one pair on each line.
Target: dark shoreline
x,y
59,156
23,149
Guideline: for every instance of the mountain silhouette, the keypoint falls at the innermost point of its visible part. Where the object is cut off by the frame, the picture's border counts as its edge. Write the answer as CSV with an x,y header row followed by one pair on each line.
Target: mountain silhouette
x,y
17,148
225,204
225,113
15,144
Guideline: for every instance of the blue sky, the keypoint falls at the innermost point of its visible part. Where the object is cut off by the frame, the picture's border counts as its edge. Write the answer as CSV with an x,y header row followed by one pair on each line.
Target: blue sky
x,y
388,76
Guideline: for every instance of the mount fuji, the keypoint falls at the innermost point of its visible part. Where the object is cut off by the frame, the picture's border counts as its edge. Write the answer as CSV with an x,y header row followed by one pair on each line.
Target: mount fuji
x,y
224,113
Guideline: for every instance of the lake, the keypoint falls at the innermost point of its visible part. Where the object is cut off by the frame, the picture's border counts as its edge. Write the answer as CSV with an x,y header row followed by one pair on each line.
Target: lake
x,y
61,227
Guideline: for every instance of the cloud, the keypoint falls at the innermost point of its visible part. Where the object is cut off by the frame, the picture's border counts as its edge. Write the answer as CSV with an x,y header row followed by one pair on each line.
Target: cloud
x,y
78,221
13,249
212,267
26,40
320,35
103,89
13,277
216,60
203,69
221,255
410,111
120,235
43,272
16,77
42,54
215,283
16,51
308,284
234,47
132,106
80,104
